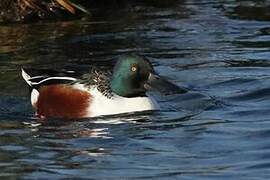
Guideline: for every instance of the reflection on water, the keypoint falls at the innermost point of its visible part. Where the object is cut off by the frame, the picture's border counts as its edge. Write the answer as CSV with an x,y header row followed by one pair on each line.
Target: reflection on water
x,y
249,9
219,129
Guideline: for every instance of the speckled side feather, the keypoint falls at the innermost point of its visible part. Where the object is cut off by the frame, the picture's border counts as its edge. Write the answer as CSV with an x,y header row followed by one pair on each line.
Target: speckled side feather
x,y
99,78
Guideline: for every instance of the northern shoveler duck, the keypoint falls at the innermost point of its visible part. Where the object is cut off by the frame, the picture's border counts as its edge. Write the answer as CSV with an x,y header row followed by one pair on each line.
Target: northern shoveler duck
x,y
98,92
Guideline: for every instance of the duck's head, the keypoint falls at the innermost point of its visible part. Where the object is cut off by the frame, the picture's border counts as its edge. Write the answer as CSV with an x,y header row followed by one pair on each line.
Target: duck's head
x,y
133,75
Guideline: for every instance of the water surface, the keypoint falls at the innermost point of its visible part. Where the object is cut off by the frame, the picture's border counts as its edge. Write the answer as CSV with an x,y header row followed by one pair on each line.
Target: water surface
x,y
218,130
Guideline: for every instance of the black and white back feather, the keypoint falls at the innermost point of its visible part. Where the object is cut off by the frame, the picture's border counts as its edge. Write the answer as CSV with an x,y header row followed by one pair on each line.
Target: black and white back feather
x,y
94,77
35,81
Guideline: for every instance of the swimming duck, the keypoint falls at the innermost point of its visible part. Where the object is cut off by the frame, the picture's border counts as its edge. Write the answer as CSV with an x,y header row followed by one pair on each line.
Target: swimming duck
x,y
122,89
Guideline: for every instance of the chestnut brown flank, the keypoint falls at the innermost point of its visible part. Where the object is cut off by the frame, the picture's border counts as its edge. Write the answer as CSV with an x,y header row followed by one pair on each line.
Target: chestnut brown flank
x,y
62,101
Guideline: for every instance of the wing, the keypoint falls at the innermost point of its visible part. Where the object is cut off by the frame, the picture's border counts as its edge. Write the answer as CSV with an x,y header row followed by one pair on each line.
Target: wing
x,y
46,78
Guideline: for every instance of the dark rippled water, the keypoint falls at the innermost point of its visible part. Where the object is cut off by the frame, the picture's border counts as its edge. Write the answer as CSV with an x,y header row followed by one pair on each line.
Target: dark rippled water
x,y
219,130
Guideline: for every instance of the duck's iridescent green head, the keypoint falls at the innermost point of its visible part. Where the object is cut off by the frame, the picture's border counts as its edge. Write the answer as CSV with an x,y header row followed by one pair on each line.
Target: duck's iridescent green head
x,y
133,75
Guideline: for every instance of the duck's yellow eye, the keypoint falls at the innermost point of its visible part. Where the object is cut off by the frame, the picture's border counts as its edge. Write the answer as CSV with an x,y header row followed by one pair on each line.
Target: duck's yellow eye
x,y
133,68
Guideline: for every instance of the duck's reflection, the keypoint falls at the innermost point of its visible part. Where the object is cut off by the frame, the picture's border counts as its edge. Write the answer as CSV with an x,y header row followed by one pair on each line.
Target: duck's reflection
x,y
96,133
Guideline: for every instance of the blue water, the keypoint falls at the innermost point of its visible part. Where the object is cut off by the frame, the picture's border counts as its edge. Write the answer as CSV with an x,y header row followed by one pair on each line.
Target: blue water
x,y
219,49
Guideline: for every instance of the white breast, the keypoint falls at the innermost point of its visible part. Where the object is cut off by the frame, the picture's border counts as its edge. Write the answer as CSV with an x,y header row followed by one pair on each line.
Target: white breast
x,y
102,105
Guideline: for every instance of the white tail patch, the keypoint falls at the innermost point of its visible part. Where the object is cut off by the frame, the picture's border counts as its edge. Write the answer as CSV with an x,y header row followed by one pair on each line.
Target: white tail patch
x,y
26,77
34,97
